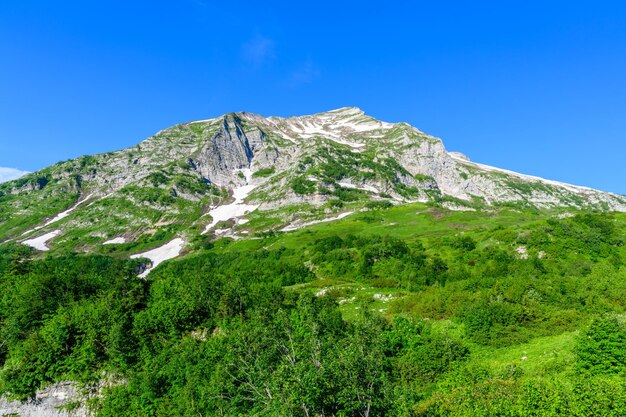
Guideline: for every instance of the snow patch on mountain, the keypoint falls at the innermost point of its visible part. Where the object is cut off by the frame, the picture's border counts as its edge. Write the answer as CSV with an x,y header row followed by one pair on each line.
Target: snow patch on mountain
x,y
363,187
161,254
573,188
237,208
115,241
58,217
66,213
39,243
203,121
296,226
336,125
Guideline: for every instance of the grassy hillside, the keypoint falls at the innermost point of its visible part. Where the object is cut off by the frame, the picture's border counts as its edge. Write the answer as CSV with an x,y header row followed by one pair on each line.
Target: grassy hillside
x,y
412,310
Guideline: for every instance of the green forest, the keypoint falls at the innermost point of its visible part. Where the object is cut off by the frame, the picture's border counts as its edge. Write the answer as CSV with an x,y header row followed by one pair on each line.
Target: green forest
x,y
412,310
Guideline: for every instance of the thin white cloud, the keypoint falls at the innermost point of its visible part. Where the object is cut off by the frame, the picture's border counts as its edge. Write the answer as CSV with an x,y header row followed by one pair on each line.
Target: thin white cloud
x,y
258,50
8,174
305,74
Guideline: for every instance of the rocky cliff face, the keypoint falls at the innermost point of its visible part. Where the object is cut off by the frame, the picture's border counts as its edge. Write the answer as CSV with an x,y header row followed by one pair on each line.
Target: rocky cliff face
x,y
57,400
242,173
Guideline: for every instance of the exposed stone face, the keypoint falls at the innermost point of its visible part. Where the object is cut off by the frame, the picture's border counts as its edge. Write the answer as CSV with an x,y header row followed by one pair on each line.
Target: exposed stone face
x,y
217,149
228,150
56,400
231,149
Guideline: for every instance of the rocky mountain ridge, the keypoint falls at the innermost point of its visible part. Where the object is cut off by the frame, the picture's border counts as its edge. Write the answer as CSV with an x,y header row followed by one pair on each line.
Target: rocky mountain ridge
x,y
241,174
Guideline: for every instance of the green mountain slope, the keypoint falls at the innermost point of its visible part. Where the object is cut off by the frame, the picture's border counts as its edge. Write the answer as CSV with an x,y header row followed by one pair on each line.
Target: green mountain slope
x,y
407,310
327,265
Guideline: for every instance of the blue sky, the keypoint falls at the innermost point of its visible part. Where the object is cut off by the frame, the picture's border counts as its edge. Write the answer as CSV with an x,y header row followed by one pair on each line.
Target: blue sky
x,y
533,86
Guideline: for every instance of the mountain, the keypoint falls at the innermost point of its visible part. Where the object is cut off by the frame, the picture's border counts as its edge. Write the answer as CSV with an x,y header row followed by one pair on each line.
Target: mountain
x,y
419,283
241,174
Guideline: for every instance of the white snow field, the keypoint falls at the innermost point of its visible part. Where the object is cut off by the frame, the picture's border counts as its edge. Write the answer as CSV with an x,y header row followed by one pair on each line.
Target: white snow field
x,y
334,125
237,208
40,242
115,241
363,187
158,255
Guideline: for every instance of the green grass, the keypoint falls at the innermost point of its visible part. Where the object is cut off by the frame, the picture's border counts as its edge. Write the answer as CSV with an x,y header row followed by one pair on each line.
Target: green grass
x,y
539,357
410,222
265,172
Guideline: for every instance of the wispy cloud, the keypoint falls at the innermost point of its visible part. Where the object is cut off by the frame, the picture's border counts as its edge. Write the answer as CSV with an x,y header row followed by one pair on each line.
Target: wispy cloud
x,y
305,74
258,50
8,174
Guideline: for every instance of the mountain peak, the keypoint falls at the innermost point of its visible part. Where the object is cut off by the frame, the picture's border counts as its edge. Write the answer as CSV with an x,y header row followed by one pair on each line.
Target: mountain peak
x,y
342,113
352,110
242,173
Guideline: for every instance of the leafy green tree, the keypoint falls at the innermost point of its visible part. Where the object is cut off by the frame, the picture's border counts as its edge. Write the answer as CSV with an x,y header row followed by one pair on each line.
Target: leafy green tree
x,y
601,347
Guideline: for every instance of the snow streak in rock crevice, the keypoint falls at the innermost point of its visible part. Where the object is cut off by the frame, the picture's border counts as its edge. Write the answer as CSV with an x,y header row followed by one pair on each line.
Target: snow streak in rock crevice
x,y
59,216
237,208
296,226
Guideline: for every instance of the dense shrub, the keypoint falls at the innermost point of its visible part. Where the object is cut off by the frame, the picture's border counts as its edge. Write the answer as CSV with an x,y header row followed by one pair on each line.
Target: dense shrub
x,y
228,331
602,346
